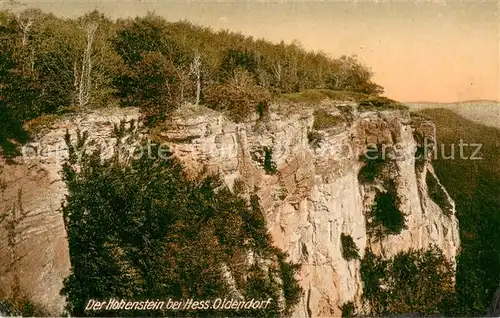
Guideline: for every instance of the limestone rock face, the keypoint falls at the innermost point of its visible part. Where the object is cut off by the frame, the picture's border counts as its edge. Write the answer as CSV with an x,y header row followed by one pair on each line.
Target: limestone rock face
x,y
494,310
308,181
316,194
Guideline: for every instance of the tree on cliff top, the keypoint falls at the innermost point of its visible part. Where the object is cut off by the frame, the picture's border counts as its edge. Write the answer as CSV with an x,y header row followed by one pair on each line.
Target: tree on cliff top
x,y
416,281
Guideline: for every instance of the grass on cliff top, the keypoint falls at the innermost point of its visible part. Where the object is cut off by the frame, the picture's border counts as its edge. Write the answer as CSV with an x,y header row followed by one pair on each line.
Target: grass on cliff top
x,y
41,123
372,103
475,187
318,95
187,111
366,102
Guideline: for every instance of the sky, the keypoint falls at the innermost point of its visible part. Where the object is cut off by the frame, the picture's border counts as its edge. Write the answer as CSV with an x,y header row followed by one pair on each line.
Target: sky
x,y
439,51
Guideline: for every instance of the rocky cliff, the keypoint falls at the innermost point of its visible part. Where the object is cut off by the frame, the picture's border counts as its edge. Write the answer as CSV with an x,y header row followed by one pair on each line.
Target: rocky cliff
x,y
309,179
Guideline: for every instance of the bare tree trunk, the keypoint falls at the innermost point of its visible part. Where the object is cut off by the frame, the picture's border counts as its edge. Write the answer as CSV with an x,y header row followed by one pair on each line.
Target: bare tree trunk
x,y
84,86
277,71
25,24
196,70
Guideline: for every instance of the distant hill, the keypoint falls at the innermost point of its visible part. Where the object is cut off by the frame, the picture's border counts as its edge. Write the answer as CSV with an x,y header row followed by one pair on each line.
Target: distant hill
x,y
480,111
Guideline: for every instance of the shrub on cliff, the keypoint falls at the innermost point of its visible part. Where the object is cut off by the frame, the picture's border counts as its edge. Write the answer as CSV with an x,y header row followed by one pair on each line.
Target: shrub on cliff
x,y
314,138
348,248
417,281
152,83
20,308
374,159
372,103
142,230
348,309
240,96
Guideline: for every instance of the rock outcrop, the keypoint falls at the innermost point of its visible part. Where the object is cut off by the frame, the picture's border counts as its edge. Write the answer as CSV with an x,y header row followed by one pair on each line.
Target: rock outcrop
x,y
494,310
309,183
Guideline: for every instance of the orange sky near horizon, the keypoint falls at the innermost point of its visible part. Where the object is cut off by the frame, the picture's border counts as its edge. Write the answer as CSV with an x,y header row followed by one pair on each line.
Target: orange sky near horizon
x,y
439,51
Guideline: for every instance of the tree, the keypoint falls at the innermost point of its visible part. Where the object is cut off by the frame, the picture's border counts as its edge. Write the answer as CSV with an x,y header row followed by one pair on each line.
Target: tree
x,y
55,44
25,21
385,217
348,247
84,80
99,64
148,34
153,84
18,90
416,281
349,75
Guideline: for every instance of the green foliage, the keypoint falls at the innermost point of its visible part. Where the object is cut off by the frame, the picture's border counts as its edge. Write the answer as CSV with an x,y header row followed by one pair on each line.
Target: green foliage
x,y
64,65
106,63
151,33
474,185
314,138
291,286
11,131
18,94
324,120
385,217
348,248
350,75
234,59
142,230
40,68
417,281
420,159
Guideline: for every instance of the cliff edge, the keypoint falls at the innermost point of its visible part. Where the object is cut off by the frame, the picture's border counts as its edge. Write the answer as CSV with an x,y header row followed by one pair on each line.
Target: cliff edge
x,y
305,163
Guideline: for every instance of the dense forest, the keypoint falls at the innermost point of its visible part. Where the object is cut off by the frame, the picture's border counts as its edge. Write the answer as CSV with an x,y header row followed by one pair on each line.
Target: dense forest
x,y
52,65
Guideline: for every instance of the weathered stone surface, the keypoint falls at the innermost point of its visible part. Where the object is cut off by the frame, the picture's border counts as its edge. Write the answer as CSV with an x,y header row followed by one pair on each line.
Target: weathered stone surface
x,y
313,197
34,257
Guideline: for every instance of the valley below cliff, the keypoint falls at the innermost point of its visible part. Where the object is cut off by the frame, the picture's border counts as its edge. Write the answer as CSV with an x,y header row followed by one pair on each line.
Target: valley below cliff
x,y
306,164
